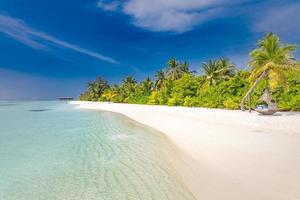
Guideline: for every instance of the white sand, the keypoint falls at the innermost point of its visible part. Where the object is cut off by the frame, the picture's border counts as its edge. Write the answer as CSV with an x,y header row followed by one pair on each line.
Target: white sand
x,y
227,155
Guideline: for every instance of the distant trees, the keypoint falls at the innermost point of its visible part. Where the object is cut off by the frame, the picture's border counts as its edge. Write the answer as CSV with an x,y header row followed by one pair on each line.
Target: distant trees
x,y
95,90
175,69
109,95
146,86
218,85
159,79
217,70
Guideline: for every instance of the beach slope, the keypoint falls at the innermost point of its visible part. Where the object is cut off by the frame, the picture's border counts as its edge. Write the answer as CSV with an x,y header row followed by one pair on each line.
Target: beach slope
x,y
226,155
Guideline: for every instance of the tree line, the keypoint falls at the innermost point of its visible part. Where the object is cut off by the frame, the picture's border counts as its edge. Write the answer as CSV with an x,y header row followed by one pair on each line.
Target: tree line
x,y
220,83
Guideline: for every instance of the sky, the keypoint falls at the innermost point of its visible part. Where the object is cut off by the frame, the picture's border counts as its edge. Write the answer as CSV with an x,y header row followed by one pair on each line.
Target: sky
x,y
52,48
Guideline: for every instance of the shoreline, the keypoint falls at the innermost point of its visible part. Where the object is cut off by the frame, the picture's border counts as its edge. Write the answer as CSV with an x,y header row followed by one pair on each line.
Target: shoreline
x,y
226,154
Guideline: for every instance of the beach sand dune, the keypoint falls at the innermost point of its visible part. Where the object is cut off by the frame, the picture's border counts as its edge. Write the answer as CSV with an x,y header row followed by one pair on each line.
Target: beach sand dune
x,y
226,155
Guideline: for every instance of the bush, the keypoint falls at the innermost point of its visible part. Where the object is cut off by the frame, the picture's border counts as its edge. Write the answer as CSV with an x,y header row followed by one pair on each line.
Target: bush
x,y
188,101
231,104
140,99
153,98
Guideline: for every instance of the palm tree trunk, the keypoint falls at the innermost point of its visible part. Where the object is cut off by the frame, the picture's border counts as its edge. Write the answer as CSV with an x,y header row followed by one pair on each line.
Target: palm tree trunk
x,y
257,81
249,103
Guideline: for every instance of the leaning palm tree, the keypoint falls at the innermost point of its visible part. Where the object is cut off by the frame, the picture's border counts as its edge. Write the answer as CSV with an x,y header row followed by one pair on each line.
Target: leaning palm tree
x,y
269,61
160,78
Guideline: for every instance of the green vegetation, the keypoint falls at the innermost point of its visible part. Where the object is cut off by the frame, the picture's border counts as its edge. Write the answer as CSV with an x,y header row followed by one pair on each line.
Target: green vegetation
x,y
95,90
270,61
219,85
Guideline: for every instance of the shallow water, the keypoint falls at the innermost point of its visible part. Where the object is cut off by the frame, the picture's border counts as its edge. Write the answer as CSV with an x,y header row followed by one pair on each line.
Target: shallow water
x,y
50,150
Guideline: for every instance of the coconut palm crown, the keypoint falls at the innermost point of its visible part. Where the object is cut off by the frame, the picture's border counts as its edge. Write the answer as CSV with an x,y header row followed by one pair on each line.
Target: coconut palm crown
x,y
159,79
210,70
273,58
175,69
215,70
269,61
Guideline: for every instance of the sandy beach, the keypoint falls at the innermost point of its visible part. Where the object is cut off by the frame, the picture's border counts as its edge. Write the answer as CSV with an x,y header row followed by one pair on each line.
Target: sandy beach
x,y
226,155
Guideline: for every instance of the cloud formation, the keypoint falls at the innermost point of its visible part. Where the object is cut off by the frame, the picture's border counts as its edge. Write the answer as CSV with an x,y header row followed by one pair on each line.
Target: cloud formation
x,y
108,6
170,15
282,20
20,31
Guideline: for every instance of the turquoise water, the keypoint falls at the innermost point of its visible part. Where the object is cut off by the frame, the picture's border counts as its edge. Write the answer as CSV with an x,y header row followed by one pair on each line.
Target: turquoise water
x,y
50,150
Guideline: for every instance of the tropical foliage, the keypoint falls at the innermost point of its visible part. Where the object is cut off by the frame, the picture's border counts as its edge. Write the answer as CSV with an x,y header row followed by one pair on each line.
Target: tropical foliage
x,y
108,95
270,61
218,85
217,70
95,90
273,58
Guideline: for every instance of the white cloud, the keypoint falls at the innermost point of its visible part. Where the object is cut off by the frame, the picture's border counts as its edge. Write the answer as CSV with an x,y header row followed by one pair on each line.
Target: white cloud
x,y
108,6
282,20
174,21
23,33
171,15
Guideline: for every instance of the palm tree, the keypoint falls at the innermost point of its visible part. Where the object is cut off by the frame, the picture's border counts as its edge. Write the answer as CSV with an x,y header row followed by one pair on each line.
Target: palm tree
x,y
160,78
97,87
227,68
269,61
175,69
184,67
109,94
129,80
215,70
210,70
128,87
146,85
129,83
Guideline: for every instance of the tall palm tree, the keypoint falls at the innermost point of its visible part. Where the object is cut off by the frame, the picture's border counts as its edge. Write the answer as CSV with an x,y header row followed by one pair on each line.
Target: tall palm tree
x,y
269,61
159,79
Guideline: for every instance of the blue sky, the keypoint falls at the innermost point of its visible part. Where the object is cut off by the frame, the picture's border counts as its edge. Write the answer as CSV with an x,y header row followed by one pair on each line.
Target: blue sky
x,y
52,48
